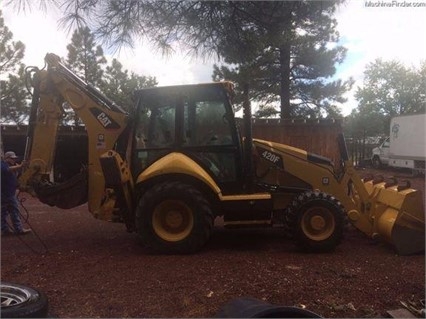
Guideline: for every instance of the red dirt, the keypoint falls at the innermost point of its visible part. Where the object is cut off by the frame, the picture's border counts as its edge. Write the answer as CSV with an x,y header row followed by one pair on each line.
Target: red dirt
x,y
92,268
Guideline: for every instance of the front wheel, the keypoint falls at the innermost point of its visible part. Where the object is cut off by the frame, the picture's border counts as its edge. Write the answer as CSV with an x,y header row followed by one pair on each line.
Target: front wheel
x,y
18,301
316,221
175,218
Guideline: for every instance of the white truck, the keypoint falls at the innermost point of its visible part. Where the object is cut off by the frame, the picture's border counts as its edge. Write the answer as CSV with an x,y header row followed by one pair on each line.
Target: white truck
x,y
405,147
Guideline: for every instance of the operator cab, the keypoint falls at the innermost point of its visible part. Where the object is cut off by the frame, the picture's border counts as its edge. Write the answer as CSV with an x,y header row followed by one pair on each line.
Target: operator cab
x,y
195,120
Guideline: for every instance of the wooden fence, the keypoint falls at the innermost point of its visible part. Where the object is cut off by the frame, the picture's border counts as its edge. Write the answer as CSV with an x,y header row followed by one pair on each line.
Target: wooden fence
x,y
315,136
71,148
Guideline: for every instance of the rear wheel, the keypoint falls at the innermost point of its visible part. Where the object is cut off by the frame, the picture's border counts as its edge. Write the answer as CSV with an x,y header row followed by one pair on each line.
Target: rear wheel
x,y
316,221
173,217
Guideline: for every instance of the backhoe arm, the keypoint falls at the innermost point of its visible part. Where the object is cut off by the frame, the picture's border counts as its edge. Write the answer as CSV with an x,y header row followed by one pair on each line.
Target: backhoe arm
x,y
104,121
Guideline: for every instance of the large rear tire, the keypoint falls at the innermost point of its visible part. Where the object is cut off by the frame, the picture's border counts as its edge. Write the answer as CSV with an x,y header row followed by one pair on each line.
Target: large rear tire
x,y
174,218
18,301
316,222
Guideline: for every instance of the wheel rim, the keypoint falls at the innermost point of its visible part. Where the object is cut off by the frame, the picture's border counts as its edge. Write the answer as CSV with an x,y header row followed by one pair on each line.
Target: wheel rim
x,y
318,223
13,296
173,220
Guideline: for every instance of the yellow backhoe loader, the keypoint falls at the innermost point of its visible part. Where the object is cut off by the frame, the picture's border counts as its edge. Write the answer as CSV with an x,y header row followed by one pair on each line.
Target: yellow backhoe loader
x,y
178,161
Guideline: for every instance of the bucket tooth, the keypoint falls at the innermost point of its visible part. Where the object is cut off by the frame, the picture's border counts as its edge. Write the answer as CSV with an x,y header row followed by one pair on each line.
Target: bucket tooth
x,y
407,185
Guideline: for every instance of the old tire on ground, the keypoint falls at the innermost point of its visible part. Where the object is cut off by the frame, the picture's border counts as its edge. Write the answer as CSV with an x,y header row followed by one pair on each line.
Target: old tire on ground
x,y
174,218
248,307
316,221
18,301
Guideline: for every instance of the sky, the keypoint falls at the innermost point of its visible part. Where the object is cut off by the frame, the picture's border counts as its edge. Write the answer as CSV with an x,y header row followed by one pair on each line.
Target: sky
x,y
387,29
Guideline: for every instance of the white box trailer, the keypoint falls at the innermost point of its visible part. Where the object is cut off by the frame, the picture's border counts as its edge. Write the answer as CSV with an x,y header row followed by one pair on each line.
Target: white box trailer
x,y
406,145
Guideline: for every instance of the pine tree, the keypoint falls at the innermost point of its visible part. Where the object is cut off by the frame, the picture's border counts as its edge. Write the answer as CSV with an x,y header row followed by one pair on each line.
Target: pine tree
x,y
85,57
120,86
288,63
13,93
287,50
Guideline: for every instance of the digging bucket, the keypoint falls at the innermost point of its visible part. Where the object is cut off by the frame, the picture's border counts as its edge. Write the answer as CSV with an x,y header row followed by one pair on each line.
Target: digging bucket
x,y
398,215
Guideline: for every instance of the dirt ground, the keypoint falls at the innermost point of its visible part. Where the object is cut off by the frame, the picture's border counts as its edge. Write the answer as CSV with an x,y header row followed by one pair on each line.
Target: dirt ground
x,y
90,268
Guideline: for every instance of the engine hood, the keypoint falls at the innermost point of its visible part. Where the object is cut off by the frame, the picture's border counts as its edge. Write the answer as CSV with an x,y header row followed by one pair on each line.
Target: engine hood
x,y
274,152
278,147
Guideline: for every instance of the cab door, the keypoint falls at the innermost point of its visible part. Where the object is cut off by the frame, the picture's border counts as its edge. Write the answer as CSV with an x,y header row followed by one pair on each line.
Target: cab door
x,y
384,151
196,120
211,139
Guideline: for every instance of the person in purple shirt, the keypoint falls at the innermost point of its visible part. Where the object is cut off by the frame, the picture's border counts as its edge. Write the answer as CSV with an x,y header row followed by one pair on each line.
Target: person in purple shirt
x,y
9,202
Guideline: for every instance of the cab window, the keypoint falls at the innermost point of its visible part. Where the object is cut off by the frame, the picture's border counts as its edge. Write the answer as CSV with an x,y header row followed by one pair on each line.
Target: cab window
x,y
206,124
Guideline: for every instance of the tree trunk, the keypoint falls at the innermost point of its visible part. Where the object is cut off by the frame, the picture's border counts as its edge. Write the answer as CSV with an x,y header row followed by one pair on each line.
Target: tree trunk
x,y
285,81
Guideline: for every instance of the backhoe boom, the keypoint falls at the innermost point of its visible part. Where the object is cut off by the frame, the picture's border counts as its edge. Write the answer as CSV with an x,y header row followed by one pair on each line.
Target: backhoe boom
x,y
55,87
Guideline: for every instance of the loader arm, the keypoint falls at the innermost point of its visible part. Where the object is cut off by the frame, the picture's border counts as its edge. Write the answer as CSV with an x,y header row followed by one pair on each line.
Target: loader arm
x,y
104,121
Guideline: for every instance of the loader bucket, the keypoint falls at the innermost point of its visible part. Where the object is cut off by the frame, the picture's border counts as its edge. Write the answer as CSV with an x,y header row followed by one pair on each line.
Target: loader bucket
x,y
398,216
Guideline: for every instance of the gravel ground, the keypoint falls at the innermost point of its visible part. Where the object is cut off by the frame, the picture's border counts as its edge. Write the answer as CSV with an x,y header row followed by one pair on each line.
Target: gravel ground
x,y
90,268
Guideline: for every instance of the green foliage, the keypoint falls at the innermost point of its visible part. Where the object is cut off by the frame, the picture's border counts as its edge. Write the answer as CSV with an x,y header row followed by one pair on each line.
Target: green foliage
x,y
120,86
86,58
13,93
389,89
266,112
11,52
289,61
287,50
14,98
365,124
